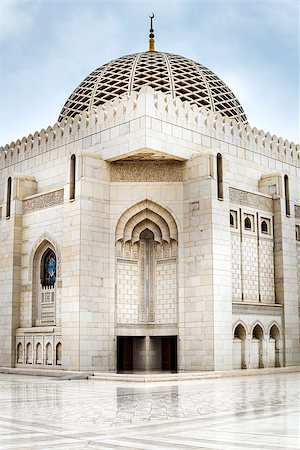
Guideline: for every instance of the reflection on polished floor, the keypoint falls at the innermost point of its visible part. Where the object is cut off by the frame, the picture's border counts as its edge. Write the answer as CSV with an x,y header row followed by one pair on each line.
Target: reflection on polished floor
x,y
256,412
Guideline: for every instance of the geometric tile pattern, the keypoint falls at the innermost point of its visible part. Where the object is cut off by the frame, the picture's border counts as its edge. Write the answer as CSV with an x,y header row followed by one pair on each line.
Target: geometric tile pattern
x,y
266,271
256,412
298,254
236,267
250,268
257,272
171,74
166,292
127,292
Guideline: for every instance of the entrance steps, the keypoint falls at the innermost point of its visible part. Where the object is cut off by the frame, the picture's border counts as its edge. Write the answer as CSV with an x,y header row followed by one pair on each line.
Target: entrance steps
x,y
145,377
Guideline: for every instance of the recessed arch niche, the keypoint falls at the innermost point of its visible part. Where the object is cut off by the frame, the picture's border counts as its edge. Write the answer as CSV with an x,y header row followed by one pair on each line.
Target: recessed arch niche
x,y
146,265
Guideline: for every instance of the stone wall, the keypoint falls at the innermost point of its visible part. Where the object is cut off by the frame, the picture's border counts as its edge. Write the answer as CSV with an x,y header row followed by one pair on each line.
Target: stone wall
x,y
128,301
166,292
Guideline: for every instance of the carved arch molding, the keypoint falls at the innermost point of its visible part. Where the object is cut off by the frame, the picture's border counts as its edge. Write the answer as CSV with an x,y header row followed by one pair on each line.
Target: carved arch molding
x,y
43,239
146,258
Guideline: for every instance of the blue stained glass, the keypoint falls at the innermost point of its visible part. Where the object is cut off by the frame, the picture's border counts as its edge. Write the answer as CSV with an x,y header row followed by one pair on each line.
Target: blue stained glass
x,y
48,275
51,267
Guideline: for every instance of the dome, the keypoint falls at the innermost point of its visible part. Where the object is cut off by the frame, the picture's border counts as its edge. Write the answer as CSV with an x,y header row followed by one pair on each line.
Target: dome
x,y
171,74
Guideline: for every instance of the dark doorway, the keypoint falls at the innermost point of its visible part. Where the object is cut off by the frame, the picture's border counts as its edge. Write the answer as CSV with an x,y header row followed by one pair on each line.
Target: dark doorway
x,y
169,353
124,353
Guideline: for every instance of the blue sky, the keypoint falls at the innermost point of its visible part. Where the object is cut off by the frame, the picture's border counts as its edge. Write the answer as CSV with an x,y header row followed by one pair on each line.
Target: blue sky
x,y
48,47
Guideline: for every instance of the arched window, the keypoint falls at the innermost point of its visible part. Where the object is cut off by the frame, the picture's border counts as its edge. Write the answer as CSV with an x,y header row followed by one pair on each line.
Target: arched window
x,y
248,224
8,198
72,177
48,268
220,176
287,195
264,227
58,354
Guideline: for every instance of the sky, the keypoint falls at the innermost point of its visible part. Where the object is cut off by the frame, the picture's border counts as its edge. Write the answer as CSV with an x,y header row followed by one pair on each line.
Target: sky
x,y
47,47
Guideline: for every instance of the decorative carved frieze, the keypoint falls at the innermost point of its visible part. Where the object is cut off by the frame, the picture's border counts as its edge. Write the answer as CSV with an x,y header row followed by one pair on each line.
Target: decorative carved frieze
x,y
139,171
257,309
297,212
166,261
43,201
245,198
127,261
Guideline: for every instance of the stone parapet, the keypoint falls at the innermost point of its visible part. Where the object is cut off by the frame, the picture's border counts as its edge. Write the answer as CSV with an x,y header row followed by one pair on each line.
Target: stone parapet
x,y
183,117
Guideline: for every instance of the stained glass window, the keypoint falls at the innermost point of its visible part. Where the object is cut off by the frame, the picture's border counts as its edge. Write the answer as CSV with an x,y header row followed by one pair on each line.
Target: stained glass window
x,y
48,268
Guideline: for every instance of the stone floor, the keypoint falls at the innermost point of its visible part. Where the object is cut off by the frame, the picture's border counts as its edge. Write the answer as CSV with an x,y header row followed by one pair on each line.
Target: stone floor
x,y
257,412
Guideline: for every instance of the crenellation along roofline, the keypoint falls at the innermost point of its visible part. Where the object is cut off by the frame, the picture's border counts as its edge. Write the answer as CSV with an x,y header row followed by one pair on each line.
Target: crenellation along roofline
x,y
148,102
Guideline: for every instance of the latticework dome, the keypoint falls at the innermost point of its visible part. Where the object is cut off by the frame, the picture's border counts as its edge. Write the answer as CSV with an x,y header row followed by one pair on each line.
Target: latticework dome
x,y
171,74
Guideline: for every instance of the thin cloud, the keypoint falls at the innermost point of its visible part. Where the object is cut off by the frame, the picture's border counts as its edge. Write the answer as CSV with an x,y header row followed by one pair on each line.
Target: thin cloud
x,y
14,20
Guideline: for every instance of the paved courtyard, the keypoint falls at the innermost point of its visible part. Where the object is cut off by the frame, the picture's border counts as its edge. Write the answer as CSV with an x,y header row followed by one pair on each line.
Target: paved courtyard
x,y
257,412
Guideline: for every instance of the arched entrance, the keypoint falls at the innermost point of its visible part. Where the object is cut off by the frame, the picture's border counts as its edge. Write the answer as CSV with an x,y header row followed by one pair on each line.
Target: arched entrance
x,y
146,287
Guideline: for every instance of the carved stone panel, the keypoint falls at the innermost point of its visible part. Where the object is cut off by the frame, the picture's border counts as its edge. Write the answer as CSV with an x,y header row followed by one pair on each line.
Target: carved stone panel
x,y
297,212
146,171
245,198
43,201
258,309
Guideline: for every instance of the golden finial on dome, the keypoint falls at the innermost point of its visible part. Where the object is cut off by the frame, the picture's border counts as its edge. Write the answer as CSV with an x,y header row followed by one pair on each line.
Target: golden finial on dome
x,y
151,35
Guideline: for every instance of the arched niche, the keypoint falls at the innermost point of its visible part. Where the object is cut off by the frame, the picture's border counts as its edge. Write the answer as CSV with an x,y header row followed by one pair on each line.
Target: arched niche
x,y
146,263
48,349
58,354
239,351
274,346
20,353
29,353
256,347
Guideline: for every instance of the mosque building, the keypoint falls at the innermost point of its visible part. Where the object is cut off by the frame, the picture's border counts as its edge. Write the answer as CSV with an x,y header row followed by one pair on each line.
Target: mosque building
x,y
151,228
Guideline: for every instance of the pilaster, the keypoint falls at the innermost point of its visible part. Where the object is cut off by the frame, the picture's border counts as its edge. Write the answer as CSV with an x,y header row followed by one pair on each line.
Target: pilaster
x,y
208,310
285,256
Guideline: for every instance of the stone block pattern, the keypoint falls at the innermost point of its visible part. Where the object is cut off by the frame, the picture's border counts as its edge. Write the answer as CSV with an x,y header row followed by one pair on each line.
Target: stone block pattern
x,y
236,267
266,271
250,268
166,294
127,292
298,259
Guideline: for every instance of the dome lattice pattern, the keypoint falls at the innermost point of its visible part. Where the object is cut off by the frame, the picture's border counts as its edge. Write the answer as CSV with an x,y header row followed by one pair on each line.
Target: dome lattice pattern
x,y
171,74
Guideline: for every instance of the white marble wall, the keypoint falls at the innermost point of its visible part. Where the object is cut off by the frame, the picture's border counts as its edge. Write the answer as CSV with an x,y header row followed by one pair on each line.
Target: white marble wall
x,y
208,271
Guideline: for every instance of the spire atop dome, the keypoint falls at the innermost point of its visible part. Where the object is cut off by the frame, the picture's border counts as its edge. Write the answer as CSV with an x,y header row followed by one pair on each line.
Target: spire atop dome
x,y
151,35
